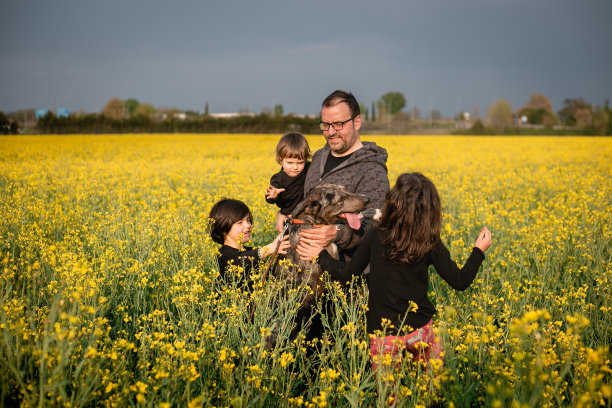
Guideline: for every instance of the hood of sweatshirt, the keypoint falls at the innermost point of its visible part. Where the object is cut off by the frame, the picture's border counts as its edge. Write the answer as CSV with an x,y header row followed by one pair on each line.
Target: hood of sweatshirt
x,y
370,152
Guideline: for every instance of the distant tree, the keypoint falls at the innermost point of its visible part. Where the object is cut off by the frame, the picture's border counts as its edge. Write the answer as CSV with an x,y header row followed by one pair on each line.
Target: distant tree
x,y
584,117
549,119
171,113
608,111
46,123
463,115
601,121
144,110
391,102
364,112
435,114
373,111
476,115
415,113
478,128
539,101
499,115
206,113
114,109
538,116
131,105
400,122
24,117
278,110
538,110
8,126
575,112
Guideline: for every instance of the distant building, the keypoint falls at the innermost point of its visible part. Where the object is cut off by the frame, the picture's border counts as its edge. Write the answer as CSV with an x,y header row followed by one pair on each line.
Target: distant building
x,y
230,115
175,115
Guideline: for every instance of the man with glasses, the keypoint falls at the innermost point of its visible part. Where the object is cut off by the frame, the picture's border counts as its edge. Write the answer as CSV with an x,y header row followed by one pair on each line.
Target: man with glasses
x,y
345,160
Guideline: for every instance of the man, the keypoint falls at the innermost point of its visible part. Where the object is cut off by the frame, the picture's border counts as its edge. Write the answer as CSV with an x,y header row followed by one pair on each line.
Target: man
x,y
345,160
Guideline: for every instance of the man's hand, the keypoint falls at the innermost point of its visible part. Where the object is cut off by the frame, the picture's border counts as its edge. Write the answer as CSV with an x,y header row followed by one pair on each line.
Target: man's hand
x,y
319,235
307,251
273,192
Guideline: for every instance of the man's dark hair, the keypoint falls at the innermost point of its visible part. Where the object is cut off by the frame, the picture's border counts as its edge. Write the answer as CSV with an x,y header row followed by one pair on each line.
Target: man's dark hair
x,y
339,96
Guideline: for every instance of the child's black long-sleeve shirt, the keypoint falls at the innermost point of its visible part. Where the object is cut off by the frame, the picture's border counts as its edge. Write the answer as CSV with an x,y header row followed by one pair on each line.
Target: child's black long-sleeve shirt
x,y
294,190
392,285
247,259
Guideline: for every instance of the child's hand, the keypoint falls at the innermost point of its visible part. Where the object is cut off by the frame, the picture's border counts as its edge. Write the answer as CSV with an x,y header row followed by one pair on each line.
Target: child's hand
x,y
284,245
483,242
271,247
273,192
280,222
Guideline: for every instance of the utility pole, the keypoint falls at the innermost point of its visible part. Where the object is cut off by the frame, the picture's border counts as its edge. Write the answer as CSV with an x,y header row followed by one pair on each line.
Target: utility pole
x,y
430,113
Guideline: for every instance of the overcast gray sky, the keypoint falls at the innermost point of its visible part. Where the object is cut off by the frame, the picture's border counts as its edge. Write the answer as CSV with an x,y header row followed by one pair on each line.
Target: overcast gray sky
x,y
444,54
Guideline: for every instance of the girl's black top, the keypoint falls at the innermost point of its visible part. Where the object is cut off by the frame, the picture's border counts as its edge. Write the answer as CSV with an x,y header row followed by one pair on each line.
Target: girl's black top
x,y
247,259
393,285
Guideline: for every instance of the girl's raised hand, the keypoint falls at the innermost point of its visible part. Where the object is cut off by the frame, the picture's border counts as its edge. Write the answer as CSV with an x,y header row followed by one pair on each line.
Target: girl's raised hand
x,y
483,242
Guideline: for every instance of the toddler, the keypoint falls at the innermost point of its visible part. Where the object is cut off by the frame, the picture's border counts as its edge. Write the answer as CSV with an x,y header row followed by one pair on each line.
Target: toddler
x,y
286,187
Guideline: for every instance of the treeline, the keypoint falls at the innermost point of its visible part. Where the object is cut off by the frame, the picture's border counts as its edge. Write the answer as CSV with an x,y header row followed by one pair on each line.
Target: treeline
x,y
99,123
536,117
481,129
8,126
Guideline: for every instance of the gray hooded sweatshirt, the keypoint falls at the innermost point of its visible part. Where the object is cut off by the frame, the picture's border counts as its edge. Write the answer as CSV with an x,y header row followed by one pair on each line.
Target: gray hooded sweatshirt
x,y
365,172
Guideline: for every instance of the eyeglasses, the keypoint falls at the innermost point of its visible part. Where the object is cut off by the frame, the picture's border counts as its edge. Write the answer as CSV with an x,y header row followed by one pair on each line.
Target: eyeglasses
x,y
336,125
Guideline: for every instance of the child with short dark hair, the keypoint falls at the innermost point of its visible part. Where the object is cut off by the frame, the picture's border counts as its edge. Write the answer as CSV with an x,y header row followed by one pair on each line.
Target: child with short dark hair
x,y
399,252
286,187
231,227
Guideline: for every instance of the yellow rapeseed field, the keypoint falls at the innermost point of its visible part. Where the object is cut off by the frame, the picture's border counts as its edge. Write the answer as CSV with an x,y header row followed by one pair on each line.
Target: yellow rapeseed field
x,y
110,293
